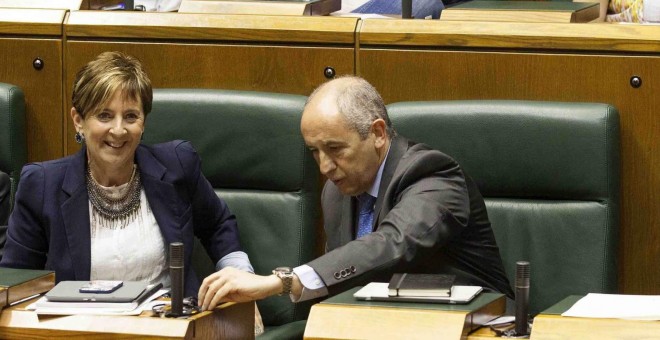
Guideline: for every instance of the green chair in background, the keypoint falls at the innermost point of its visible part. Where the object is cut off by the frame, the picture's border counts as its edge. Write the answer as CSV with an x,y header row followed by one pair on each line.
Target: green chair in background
x,y
549,173
13,149
253,154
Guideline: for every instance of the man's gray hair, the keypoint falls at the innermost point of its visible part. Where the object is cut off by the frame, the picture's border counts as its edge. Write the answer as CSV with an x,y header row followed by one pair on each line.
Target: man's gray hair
x,y
360,103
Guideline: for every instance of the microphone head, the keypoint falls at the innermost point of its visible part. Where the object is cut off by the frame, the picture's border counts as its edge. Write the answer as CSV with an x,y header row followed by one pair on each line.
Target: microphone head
x,y
176,254
522,273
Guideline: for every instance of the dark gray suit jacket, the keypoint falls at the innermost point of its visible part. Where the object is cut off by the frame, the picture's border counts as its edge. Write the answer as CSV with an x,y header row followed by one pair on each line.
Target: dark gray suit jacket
x,y
430,218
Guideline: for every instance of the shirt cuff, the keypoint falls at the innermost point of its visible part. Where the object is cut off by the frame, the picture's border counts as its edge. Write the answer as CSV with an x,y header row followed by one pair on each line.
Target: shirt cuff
x,y
237,259
313,286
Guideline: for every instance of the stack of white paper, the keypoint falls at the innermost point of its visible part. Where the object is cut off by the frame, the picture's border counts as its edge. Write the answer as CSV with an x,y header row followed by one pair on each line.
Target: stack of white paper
x,y
616,306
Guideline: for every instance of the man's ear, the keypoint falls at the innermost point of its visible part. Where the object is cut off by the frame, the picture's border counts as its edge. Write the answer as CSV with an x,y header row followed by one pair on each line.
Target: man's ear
x,y
379,129
76,118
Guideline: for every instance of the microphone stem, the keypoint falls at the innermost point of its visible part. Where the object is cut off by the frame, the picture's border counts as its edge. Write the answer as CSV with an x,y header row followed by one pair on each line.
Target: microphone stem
x,y
522,297
176,278
406,9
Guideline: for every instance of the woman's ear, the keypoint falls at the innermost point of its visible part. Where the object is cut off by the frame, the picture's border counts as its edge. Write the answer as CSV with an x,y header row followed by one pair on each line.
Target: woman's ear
x,y
77,119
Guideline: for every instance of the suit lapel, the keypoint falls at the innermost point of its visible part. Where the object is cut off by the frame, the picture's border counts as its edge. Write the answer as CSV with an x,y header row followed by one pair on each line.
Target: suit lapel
x,y
161,195
347,231
398,148
75,216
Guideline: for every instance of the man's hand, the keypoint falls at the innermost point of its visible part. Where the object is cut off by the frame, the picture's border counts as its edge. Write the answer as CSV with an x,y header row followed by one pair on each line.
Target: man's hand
x,y
258,322
231,284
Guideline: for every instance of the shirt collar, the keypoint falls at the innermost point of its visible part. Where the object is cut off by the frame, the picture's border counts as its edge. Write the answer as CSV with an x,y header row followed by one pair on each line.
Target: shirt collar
x,y
373,191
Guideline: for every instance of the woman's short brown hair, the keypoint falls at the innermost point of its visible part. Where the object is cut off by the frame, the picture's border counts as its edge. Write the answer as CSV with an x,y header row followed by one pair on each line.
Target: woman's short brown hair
x,y
97,82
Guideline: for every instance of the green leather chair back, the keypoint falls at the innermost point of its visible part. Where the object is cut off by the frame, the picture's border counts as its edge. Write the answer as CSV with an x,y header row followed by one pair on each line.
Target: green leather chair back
x,y
549,173
13,144
253,154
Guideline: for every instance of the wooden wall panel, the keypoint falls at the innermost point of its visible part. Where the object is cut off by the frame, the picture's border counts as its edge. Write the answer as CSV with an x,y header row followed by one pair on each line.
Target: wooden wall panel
x,y
282,69
439,75
25,35
42,89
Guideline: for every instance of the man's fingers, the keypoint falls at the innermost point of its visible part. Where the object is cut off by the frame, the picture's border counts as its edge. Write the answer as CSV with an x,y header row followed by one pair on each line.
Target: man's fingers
x,y
202,292
219,281
219,295
204,288
231,284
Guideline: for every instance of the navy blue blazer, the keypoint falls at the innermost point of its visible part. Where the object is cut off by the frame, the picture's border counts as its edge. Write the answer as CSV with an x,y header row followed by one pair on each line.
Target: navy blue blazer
x,y
49,226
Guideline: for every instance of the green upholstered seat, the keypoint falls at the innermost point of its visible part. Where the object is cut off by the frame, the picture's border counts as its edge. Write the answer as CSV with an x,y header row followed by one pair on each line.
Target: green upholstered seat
x,y
13,145
13,150
549,173
253,154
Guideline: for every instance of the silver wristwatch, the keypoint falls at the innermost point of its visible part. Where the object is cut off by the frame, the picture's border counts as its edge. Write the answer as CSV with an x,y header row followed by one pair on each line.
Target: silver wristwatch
x,y
286,275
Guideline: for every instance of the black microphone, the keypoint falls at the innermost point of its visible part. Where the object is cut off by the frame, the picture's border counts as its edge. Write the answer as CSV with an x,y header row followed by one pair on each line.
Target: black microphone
x,y
176,277
522,297
406,9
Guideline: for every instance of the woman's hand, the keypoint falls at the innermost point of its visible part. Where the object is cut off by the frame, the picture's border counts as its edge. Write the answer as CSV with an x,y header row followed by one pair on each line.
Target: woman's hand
x,y
231,284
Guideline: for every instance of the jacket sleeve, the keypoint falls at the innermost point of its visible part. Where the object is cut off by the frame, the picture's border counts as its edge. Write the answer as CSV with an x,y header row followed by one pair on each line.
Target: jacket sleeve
x,y
27,239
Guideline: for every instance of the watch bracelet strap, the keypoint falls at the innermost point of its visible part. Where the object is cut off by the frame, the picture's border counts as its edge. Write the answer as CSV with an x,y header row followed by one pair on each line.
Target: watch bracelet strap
x,y
287,282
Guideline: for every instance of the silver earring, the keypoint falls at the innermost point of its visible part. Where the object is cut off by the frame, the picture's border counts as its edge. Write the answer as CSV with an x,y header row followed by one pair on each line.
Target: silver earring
x,y
79,137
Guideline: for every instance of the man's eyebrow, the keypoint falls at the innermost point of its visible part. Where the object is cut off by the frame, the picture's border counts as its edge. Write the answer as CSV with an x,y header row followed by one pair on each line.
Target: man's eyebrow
x,y
333,143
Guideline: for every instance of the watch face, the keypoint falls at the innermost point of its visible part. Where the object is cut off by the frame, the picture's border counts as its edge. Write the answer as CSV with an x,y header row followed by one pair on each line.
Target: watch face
x,y
283,269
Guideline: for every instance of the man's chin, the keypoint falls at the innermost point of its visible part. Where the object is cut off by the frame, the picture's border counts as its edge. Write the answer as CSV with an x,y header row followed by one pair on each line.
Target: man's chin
x,y
349,191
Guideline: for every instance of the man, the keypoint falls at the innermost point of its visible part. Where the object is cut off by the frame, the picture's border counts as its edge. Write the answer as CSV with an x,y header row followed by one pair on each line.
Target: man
x,y
390,205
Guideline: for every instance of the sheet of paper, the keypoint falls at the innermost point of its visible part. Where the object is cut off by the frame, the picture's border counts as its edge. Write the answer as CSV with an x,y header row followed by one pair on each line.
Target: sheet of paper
x,y
616,306
501,320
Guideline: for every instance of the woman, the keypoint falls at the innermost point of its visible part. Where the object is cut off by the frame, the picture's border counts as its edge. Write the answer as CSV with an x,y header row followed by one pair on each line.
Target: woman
x,y
109,211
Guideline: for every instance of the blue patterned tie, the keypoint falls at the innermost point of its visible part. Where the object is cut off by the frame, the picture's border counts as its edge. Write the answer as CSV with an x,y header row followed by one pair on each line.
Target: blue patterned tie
x,y
365,214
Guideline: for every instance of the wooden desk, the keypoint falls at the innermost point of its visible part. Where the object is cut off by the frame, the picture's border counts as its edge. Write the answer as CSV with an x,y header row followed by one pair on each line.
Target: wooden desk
x,y
551,325
559,327
343,317
523,11
233,321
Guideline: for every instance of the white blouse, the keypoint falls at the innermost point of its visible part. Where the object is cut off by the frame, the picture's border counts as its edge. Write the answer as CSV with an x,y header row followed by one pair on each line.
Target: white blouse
x,y
133,253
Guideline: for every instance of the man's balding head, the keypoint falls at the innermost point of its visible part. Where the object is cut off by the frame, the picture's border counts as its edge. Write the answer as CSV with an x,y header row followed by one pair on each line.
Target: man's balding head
x,y
346,127
355,99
